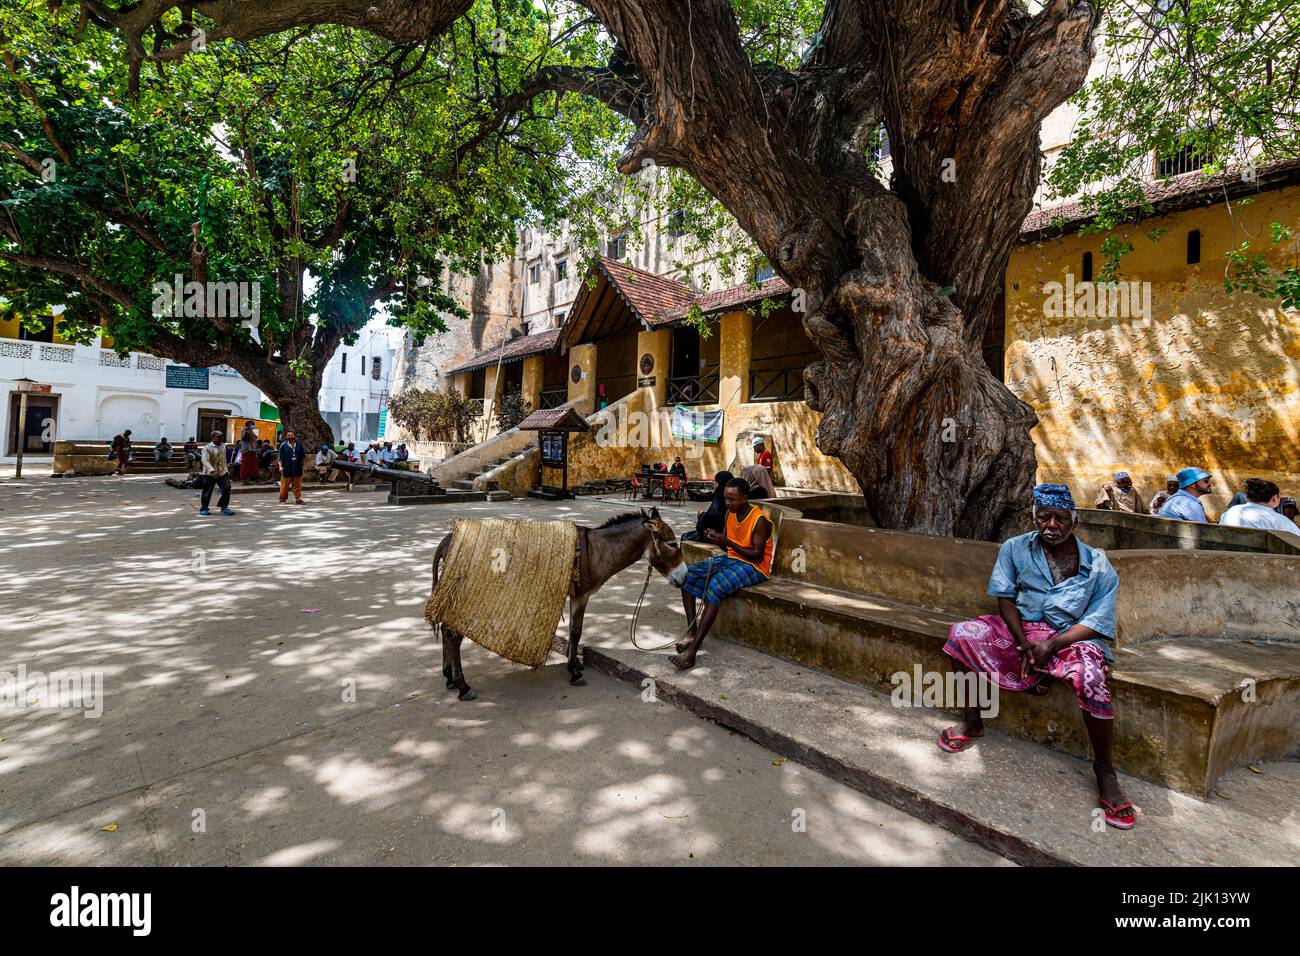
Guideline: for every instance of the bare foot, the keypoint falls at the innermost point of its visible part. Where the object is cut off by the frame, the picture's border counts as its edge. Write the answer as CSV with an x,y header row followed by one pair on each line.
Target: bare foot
x,y
685,642
684,661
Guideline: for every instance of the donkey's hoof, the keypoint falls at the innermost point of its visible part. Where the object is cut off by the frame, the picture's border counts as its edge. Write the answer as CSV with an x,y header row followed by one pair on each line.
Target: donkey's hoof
x,y
577,680
467,694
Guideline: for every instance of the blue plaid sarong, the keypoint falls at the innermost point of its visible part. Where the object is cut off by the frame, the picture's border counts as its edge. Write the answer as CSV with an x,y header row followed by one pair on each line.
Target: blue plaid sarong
x,y
729,575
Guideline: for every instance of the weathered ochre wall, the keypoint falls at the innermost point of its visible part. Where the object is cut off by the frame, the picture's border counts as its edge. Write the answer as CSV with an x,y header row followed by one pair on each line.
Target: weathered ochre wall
x,y
1211,380
636,431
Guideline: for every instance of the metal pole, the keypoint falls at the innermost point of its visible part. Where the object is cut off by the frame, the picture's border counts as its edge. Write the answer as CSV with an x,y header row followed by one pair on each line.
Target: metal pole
x,y
22,433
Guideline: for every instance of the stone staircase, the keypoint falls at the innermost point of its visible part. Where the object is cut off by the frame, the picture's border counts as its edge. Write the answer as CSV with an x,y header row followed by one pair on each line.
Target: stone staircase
x,y
466,483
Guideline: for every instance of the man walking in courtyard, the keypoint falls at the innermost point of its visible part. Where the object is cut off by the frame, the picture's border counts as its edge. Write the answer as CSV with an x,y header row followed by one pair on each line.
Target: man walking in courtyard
x,y
216,474
1120,495
292,454
1186,505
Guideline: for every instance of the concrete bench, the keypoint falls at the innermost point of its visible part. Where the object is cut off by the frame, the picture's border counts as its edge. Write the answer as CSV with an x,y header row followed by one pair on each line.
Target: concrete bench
x,y
1207,659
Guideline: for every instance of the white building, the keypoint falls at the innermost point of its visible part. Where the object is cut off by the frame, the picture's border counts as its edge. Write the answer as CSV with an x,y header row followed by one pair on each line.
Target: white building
x,y
89,393
356,384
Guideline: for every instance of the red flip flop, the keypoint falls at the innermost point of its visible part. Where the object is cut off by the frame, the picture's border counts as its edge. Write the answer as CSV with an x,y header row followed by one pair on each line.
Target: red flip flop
x,y
946,742
1112,814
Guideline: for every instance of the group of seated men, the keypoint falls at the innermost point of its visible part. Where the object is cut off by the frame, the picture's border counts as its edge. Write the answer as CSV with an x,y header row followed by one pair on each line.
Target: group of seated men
x,y
1056,619
1259,505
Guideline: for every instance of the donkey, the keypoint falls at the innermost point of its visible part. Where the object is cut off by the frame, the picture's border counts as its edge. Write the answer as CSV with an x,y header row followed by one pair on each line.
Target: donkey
x,y
602,553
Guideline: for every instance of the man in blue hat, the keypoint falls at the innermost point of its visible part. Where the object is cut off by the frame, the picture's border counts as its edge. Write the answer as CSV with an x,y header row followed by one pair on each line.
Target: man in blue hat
x,y
1185,504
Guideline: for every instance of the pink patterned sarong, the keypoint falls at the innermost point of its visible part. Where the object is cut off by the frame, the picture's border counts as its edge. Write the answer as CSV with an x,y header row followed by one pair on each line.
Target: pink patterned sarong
x,y
986,645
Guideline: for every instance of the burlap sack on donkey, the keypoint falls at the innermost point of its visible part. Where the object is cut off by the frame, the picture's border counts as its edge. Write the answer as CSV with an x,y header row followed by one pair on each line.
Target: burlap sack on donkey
x,y
503,584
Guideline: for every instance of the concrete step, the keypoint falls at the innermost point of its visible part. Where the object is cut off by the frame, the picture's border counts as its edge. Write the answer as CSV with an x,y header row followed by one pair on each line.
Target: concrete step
x,y
1181,714
1030,803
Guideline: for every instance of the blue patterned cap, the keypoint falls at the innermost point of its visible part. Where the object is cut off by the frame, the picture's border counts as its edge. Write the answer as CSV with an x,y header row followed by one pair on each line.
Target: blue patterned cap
x,y
1053,496
1120,475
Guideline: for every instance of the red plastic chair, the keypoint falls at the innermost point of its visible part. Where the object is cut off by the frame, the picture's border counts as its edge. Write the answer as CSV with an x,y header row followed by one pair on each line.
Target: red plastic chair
x,y
634,491
673,487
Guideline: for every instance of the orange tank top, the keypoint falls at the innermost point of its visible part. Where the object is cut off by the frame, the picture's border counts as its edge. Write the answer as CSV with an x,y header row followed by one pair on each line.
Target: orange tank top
x,y
742,532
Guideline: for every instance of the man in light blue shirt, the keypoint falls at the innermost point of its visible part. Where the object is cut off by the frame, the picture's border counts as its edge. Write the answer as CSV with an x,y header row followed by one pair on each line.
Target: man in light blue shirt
x,y
1185,504
1056,619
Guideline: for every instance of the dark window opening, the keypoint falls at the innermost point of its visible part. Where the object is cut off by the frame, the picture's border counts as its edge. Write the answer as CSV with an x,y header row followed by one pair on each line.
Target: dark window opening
x,y
344,357
1193,247
677,223
616,247
46,334
561,270
363,366
1185,160
1087,267
376,367
340,404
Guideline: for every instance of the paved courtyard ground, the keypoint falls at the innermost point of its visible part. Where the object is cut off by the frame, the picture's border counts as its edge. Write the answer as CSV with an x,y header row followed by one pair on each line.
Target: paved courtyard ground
x,y
228,645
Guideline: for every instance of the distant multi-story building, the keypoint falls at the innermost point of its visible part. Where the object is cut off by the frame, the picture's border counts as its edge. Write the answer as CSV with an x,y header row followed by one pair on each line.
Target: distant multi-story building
x,y
356,385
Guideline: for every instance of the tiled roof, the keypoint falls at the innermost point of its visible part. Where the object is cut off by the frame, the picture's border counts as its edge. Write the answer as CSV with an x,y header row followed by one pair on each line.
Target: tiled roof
x,y
520,347
1180,192
649,295
563,418
724,300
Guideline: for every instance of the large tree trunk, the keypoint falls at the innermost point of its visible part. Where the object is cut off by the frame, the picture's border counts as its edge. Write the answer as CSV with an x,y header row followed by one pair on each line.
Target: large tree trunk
x,y
898,284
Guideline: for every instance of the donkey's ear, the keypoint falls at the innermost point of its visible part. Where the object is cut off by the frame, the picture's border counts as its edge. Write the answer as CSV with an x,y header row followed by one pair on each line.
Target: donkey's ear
x,y
654,512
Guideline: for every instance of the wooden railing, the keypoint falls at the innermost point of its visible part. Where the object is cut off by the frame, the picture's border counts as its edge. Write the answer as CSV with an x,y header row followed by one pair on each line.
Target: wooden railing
x,y
776,384
699,389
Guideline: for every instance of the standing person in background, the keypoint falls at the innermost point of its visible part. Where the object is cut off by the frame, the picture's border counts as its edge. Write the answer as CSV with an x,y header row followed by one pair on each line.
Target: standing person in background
x,y
292,456
250,467
761,455
1120,495
216,474
1171,489
1185,505
122,451
193,460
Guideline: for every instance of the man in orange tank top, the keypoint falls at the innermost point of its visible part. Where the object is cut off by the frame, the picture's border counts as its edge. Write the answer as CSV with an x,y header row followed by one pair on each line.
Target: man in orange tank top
x,y
749,546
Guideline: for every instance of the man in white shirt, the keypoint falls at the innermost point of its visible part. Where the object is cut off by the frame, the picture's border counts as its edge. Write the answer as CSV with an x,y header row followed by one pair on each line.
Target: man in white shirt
x,y
1261,498
325,464
372,454
386,454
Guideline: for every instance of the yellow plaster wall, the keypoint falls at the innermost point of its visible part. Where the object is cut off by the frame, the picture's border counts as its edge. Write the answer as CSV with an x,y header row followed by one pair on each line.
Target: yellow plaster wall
x,y
1211,380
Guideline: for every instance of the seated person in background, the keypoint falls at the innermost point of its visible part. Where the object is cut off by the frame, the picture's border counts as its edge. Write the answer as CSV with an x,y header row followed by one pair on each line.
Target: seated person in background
x,y
1262,497
1171,489
749,546
1120,495
350,453
759,480
1238,499
192,456
163,450
1287,509
401,454
324,464
714,517
677,468
386,455
761,455
1056,618
1185,504
266,453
